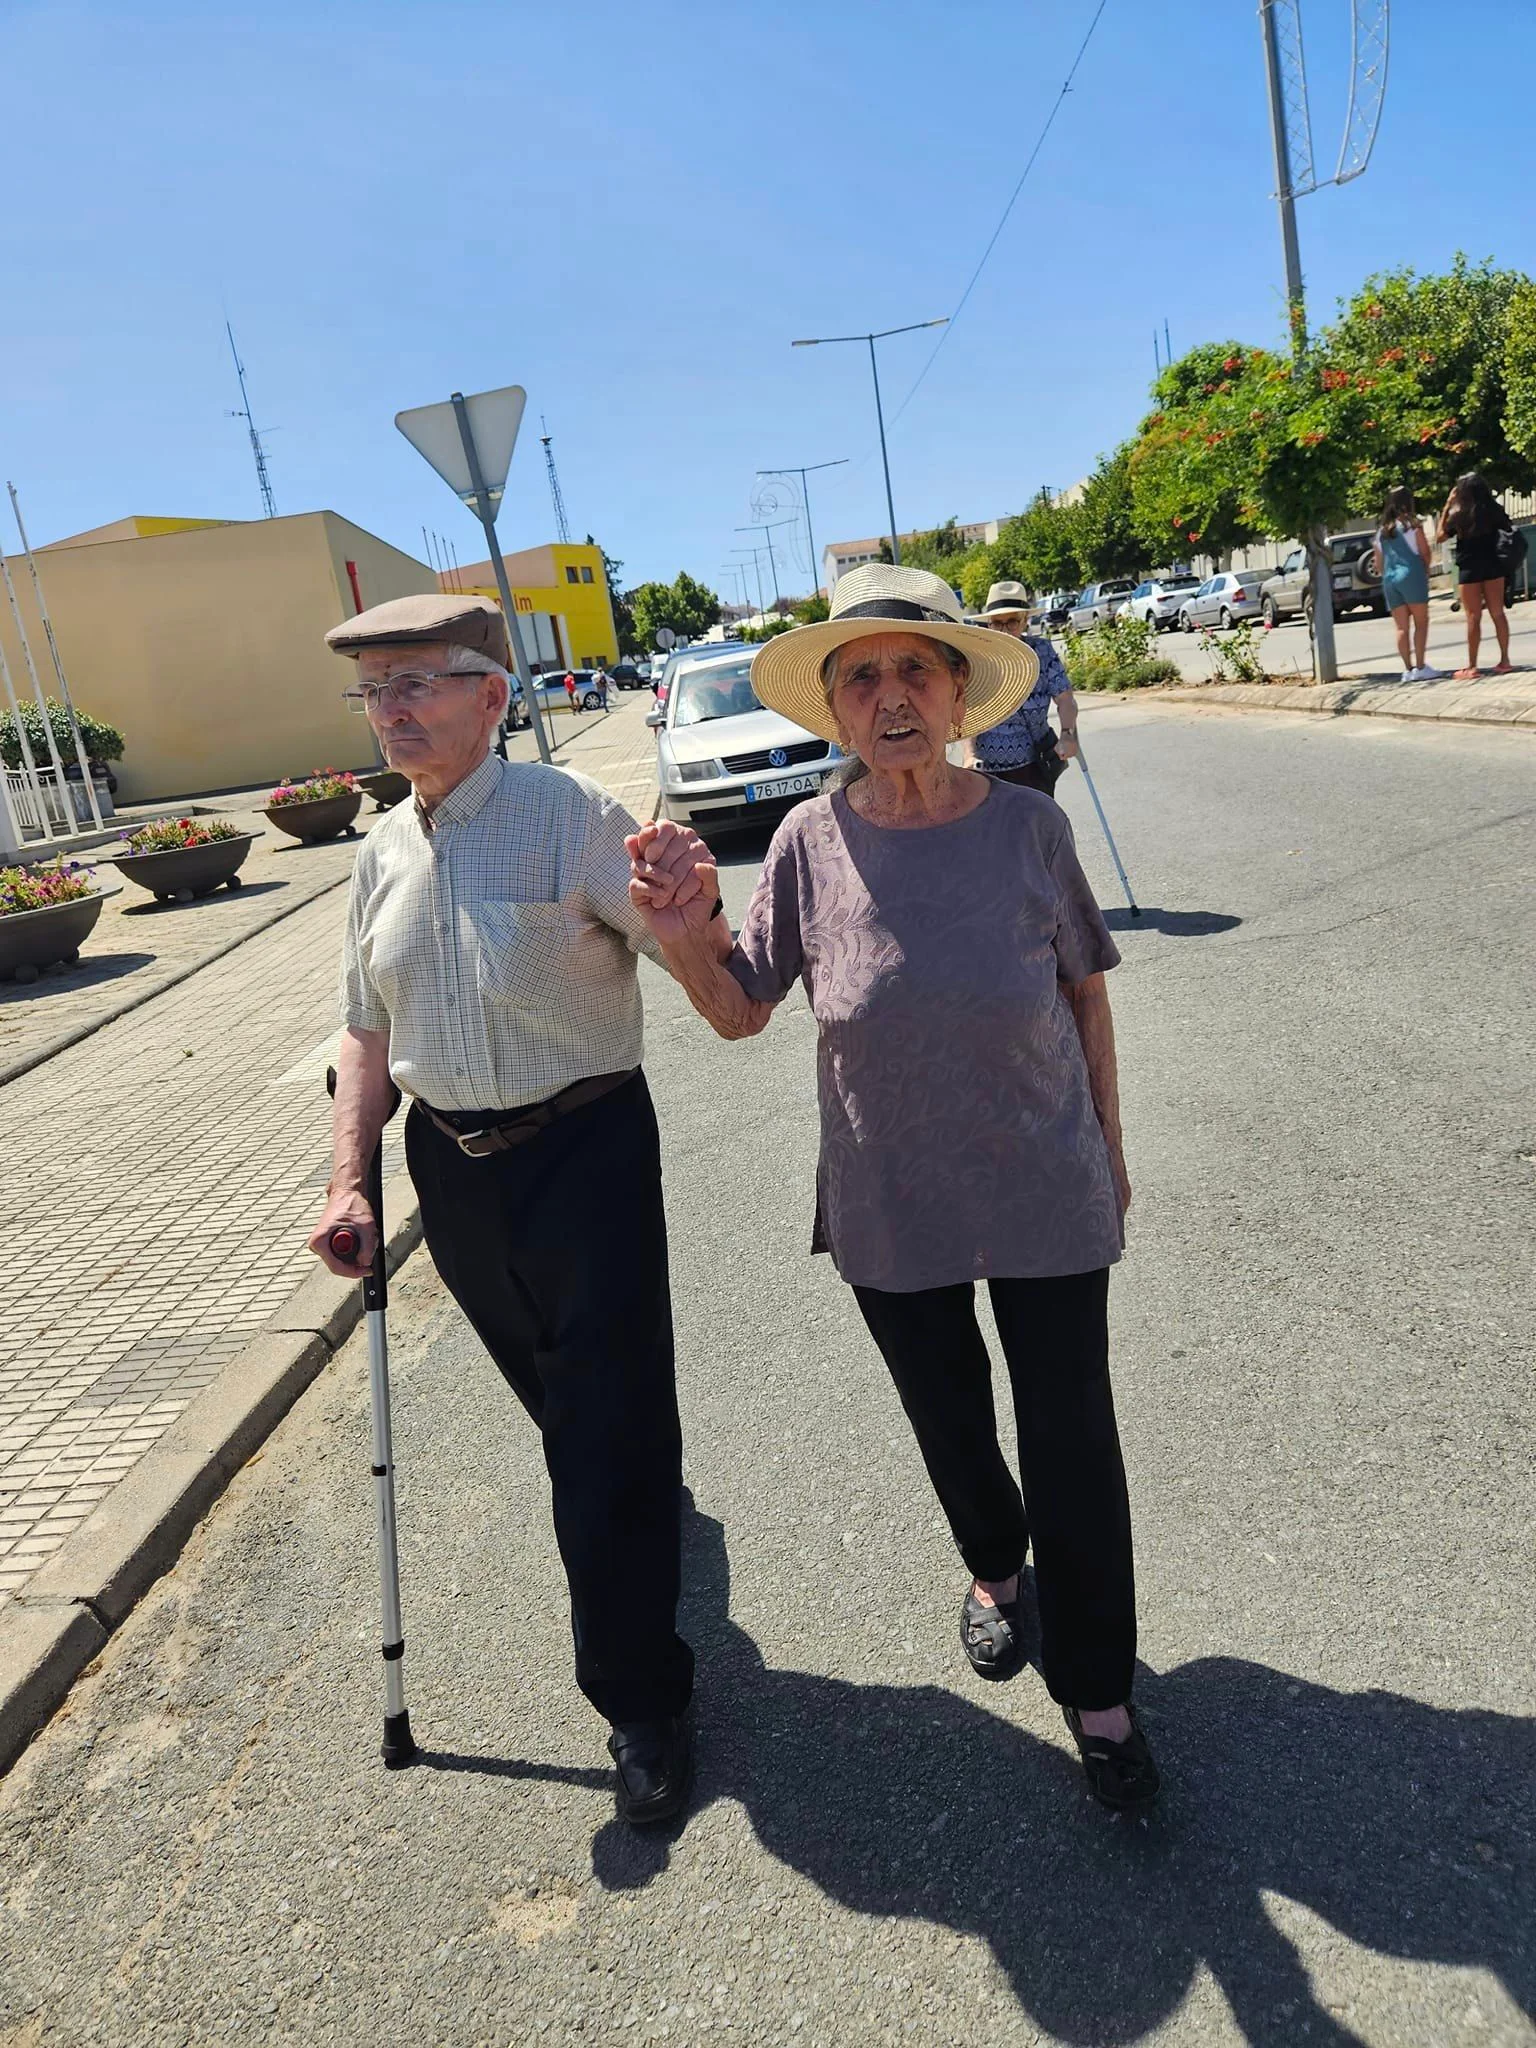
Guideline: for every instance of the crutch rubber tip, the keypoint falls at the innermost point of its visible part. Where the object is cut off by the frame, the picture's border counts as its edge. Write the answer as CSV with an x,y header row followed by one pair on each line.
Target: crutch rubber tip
x,y
399,1745
1134,911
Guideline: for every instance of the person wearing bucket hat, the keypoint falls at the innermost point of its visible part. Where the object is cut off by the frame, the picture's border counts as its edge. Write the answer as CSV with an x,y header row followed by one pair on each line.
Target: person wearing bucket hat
x,y
1023,748
954,959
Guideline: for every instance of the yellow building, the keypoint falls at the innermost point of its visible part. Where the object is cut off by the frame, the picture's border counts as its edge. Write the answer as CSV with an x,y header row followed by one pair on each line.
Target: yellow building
x,y
565,583
203,642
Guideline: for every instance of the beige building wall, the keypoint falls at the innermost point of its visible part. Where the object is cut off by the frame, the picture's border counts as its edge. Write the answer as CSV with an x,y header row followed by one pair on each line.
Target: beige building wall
x,y
206,648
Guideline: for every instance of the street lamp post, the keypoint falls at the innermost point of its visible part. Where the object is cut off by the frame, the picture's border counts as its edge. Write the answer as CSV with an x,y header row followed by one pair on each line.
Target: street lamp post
x,y
757,568
882,334
803,471
767,533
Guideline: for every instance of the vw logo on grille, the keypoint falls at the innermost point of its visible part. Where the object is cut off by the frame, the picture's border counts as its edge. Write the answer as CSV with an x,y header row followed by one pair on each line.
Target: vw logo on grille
x,y
777,757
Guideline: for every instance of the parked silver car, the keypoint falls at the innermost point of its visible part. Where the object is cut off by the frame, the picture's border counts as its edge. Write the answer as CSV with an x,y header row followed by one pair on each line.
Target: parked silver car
x,y
1223,600
1287,591
1100,601
1157,600
723,760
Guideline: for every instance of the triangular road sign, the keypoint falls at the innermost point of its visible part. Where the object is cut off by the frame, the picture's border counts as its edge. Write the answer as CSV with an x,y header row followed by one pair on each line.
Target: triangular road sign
x,y
494,418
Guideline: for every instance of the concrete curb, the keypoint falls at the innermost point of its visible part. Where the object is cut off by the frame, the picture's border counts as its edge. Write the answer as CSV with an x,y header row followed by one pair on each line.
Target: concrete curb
x,y
66,1039
63,1617
1454,703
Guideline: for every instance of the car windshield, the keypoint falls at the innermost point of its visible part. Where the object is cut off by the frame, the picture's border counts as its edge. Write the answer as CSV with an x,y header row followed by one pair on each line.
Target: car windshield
x,y
705,693
1250,579
1178,582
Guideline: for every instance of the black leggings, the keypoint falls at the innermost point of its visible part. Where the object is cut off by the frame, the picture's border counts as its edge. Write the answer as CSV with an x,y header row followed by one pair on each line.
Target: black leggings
x,y
1074,1507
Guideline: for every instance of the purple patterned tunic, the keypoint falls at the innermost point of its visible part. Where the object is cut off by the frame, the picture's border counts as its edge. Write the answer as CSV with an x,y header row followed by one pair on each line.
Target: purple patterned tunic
x,y
958,1135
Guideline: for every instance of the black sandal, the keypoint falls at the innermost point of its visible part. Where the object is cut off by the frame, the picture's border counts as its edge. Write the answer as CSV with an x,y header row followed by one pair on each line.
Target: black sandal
x,y
1122,1775
992,1637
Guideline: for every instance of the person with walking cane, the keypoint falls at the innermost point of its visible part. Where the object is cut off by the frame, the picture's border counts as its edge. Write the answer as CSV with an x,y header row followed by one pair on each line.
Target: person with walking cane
x,y
1023,748
489,974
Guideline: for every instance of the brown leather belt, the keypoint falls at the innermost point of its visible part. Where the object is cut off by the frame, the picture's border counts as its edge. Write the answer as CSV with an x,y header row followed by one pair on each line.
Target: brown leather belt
x,y
498,1131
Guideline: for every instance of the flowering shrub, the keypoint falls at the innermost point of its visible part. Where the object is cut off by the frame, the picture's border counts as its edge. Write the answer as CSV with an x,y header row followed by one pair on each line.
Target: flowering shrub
x,y
166,834
1116,655
324,782
102,742
38,888
1235,659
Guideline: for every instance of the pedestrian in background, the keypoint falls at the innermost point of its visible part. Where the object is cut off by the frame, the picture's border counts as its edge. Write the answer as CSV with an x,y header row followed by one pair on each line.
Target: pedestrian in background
x,y
1023,748
970,1126
1402,563
1474,519
570,690
602,680
489,974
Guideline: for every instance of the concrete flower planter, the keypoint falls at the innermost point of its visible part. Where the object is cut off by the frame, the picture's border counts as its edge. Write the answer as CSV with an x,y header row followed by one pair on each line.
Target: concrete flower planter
x,y
322,817
33,941
182,872
387,787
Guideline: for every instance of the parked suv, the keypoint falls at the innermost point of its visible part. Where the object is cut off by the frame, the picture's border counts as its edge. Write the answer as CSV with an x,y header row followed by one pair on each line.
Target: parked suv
x,y
1287,594
1100,601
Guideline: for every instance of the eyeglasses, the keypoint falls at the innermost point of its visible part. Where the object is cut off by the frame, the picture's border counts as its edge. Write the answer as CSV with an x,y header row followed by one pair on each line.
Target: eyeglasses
x,y
413,687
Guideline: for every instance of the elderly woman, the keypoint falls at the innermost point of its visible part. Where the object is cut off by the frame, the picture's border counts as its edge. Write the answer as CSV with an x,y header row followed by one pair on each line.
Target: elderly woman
x,y
1023,748
954,959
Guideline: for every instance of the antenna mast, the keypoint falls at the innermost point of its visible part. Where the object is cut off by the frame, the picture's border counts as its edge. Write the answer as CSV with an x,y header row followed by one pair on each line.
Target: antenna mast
x,y
562,524
263,481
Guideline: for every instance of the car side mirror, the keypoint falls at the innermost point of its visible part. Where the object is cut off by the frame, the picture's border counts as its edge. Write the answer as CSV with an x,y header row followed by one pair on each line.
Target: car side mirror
x,y
655,718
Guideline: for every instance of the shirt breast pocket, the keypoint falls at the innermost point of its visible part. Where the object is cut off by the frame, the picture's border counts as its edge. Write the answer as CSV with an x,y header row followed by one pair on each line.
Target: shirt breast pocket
x,y
522,951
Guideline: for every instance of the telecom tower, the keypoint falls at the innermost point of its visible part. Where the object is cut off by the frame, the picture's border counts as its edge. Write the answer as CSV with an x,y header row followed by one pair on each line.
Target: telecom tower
x,y
562,524
263,481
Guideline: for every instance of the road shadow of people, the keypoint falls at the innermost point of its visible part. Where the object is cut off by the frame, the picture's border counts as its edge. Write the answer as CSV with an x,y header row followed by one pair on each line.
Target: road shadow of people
x,y
1407,1827
1175,924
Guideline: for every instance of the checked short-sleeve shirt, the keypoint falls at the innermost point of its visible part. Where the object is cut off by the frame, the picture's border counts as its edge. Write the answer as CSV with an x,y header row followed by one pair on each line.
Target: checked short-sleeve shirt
x,y
495,942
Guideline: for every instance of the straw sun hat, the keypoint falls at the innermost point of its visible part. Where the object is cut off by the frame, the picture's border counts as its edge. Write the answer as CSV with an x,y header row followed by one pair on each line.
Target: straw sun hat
x,y
878,598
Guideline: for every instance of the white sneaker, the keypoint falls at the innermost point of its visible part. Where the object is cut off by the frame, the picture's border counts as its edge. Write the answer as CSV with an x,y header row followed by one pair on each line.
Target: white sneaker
x,y
1410,675
1432,675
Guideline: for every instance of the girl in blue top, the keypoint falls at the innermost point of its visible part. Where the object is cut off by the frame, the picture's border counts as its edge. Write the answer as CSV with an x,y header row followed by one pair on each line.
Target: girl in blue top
x,y
1402,562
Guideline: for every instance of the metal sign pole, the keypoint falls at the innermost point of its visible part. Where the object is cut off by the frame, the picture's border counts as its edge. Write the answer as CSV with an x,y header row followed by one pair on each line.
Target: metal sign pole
x,y
58,666
42,703
487,519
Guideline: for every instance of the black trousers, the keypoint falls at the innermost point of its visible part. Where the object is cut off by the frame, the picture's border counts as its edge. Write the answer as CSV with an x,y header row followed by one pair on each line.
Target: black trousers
x,y
1074,1508
578,1316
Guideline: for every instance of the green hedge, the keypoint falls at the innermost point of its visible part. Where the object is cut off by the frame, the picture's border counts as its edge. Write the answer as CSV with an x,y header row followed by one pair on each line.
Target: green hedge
x,y
102,742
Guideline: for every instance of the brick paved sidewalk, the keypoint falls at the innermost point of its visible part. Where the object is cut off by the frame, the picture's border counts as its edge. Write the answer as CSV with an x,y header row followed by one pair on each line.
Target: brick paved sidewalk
x,y
161,1177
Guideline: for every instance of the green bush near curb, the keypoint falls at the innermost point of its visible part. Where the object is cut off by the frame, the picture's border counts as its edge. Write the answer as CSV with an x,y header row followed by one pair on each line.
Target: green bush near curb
x,y
1116,655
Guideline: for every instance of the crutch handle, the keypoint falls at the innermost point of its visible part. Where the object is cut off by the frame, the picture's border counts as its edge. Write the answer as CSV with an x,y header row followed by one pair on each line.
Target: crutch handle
x,y
345,1244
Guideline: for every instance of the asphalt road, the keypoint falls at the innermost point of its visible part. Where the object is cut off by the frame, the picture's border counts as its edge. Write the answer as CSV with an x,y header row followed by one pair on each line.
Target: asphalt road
x,y
1324,1332
1365,645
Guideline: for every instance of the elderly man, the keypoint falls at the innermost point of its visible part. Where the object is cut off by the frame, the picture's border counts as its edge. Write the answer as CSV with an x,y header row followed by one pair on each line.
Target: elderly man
x,y
489,973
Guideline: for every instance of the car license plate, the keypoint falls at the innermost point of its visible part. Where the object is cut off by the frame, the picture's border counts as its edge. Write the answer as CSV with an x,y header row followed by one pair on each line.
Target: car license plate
x,y
789,785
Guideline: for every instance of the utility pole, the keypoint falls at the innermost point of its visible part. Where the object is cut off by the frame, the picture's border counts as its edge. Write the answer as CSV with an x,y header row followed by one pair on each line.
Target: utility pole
x,y
824,340
767,532
263,481
803,471
757,565
1290,125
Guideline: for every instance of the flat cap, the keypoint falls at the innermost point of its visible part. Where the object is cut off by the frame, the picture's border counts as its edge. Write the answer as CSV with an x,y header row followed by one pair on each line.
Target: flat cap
x,y
473,622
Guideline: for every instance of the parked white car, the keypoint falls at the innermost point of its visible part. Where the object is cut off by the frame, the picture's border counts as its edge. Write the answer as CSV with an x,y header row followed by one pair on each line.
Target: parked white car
x,y
1157,600
1223,600
723,760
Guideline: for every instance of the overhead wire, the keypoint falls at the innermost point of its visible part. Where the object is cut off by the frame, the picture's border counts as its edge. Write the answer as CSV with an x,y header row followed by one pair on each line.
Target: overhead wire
x,y
1040,141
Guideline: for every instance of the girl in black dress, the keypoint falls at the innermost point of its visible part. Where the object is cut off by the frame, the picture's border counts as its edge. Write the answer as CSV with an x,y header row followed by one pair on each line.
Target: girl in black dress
x,y
1473,518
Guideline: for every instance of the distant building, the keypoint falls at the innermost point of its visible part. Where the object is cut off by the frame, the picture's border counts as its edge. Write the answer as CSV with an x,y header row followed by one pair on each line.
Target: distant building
x,y
203,642
565,615
842,555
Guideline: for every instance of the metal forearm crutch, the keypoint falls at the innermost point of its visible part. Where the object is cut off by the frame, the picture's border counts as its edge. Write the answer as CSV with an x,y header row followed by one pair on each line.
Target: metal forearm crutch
x,y
1114,854
399,1745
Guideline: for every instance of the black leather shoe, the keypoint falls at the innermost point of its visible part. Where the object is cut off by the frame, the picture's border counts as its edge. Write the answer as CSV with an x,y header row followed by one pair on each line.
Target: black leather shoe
x,y
654,1760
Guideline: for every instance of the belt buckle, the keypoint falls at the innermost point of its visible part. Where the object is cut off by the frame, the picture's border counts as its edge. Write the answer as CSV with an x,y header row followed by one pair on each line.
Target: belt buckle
x,y
477,1144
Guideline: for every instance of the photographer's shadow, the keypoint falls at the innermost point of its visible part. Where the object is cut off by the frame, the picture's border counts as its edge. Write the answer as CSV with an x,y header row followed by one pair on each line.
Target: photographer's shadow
x,y
1407,1827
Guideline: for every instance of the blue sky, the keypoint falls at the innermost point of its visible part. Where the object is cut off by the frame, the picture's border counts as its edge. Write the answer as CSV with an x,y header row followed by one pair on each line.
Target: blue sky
x,y
633,210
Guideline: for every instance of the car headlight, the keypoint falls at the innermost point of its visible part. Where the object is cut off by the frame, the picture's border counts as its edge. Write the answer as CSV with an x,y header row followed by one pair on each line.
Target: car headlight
x,y
697,771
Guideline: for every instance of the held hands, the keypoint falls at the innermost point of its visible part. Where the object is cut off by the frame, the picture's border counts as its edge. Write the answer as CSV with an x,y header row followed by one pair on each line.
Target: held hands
x,y
674,882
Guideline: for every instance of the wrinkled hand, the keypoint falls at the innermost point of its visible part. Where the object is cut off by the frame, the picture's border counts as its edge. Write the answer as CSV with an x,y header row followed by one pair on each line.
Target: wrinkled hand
x,y
1066,748
674,881
352,1210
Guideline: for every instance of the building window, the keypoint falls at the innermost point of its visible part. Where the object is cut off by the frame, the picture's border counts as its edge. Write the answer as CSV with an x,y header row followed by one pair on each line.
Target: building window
x,y
586,575
571,576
